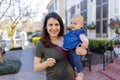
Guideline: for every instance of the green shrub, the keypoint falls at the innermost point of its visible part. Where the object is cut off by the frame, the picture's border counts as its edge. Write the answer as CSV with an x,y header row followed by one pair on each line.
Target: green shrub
x,y
15,47
96,45
10,67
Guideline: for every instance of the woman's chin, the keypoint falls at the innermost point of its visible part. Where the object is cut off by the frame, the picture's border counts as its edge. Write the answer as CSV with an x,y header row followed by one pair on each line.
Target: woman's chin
x,y
54,35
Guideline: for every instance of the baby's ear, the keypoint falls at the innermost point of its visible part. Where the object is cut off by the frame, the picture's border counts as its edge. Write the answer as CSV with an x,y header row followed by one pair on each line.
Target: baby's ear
x,y
82,24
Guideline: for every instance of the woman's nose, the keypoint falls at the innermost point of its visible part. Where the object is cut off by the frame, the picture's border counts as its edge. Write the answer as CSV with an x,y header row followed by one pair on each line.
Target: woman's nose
x,y
54,27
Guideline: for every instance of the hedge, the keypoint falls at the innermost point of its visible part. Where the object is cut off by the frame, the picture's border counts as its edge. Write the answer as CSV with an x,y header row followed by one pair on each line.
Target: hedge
x,y
10,67
97,45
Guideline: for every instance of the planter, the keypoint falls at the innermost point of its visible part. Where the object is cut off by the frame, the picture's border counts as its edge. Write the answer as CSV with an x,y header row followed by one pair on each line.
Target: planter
x,y
117,31
115,25
91,28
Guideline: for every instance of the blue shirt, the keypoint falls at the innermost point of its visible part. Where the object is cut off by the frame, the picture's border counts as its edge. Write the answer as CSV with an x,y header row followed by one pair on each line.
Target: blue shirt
x,y
72,39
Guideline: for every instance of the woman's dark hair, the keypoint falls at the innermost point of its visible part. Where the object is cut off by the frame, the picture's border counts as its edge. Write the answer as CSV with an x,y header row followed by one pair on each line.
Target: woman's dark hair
x,y
45,36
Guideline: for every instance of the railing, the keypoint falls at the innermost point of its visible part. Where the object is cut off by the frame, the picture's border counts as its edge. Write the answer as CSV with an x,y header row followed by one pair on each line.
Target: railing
x,y
108,51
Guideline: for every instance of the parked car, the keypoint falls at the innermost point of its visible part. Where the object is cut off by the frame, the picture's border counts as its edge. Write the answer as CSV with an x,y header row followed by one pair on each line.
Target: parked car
x,y
36,34
2,46
17,36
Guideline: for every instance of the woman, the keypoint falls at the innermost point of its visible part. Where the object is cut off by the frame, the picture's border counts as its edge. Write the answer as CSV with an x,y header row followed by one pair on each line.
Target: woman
x,y
56,60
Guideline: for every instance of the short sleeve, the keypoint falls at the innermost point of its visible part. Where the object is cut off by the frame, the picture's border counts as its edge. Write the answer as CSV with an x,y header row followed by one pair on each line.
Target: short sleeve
x,y
39,50
84,38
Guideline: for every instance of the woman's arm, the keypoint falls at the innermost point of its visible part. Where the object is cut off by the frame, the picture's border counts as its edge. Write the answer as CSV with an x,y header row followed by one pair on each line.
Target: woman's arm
x,y
39,65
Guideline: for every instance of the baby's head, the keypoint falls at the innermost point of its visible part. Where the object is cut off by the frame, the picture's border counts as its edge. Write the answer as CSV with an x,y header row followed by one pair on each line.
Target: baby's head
x,y
77,22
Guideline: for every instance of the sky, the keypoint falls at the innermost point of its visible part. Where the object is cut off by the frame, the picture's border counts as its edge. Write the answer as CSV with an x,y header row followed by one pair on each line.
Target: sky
x,y
39,6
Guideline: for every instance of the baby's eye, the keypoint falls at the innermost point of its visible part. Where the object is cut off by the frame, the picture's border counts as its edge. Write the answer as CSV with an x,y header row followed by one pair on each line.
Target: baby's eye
x,y
75,23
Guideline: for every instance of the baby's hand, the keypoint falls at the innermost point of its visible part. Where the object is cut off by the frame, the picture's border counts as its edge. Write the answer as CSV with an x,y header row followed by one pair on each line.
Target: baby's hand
x,y
81,51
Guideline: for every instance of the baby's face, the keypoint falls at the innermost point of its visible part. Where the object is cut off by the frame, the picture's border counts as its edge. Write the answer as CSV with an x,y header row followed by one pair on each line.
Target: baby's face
x,y
76,24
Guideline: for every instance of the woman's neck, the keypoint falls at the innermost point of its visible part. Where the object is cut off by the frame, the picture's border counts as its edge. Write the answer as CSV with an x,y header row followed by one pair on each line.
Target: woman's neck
x,y
57,40
54,39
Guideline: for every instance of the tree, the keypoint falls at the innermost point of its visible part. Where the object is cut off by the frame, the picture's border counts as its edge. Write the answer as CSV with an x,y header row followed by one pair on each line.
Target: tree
x,y
23,13
1,16
5,9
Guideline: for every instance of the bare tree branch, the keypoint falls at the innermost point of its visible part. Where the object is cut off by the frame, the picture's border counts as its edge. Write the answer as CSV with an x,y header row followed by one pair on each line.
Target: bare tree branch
x,y
1,2
5,10
15,21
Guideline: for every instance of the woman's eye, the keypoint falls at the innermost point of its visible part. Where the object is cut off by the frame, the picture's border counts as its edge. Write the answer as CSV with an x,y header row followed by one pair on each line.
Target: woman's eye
x,y
56,24
50,24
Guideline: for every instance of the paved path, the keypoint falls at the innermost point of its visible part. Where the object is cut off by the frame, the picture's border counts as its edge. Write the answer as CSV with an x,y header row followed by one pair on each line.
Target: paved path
x,y
26,72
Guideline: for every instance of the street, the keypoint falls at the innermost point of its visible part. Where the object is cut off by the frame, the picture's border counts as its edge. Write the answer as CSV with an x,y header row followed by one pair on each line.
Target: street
x,y
26,72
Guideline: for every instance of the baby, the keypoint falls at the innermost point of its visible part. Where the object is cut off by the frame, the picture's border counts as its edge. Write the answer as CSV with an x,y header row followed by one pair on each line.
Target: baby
x,y
76,42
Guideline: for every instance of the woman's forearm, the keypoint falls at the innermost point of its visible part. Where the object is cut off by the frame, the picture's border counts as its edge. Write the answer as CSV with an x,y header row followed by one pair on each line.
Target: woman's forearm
x,y
40,66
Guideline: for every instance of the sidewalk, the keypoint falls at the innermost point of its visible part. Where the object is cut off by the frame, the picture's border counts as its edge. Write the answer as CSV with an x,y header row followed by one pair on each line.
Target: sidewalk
x,y
26,72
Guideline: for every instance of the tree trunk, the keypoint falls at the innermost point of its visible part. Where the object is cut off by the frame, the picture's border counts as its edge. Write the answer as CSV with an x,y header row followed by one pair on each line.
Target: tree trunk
x,y
13,30
1,59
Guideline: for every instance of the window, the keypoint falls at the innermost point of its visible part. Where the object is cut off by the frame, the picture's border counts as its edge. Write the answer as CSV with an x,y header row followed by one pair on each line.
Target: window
x,y
84,9
85,16
101,17
98,2
104,26
98,26
98,13
82,5
72,11
85,4
105,12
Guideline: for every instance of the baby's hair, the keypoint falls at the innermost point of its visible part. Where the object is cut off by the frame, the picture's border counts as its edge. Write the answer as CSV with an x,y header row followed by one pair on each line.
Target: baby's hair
x,y
79,17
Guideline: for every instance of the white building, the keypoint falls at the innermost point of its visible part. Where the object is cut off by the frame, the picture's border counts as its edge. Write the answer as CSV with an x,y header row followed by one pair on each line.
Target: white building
x,y
98,12
57,6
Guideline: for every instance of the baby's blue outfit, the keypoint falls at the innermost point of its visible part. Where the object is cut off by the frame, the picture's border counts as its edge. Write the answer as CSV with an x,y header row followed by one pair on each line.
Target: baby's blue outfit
x,y
71,41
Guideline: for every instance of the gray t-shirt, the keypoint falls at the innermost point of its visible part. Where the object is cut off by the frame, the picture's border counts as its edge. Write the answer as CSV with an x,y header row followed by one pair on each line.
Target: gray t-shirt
x,y
62,70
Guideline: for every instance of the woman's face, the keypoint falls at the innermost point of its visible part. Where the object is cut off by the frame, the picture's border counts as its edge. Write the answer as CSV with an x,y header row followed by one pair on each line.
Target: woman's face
x,y
53,27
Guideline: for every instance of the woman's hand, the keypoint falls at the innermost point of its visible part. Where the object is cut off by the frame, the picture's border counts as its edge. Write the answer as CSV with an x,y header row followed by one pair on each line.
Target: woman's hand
x,y
50,62
81,51
84,45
